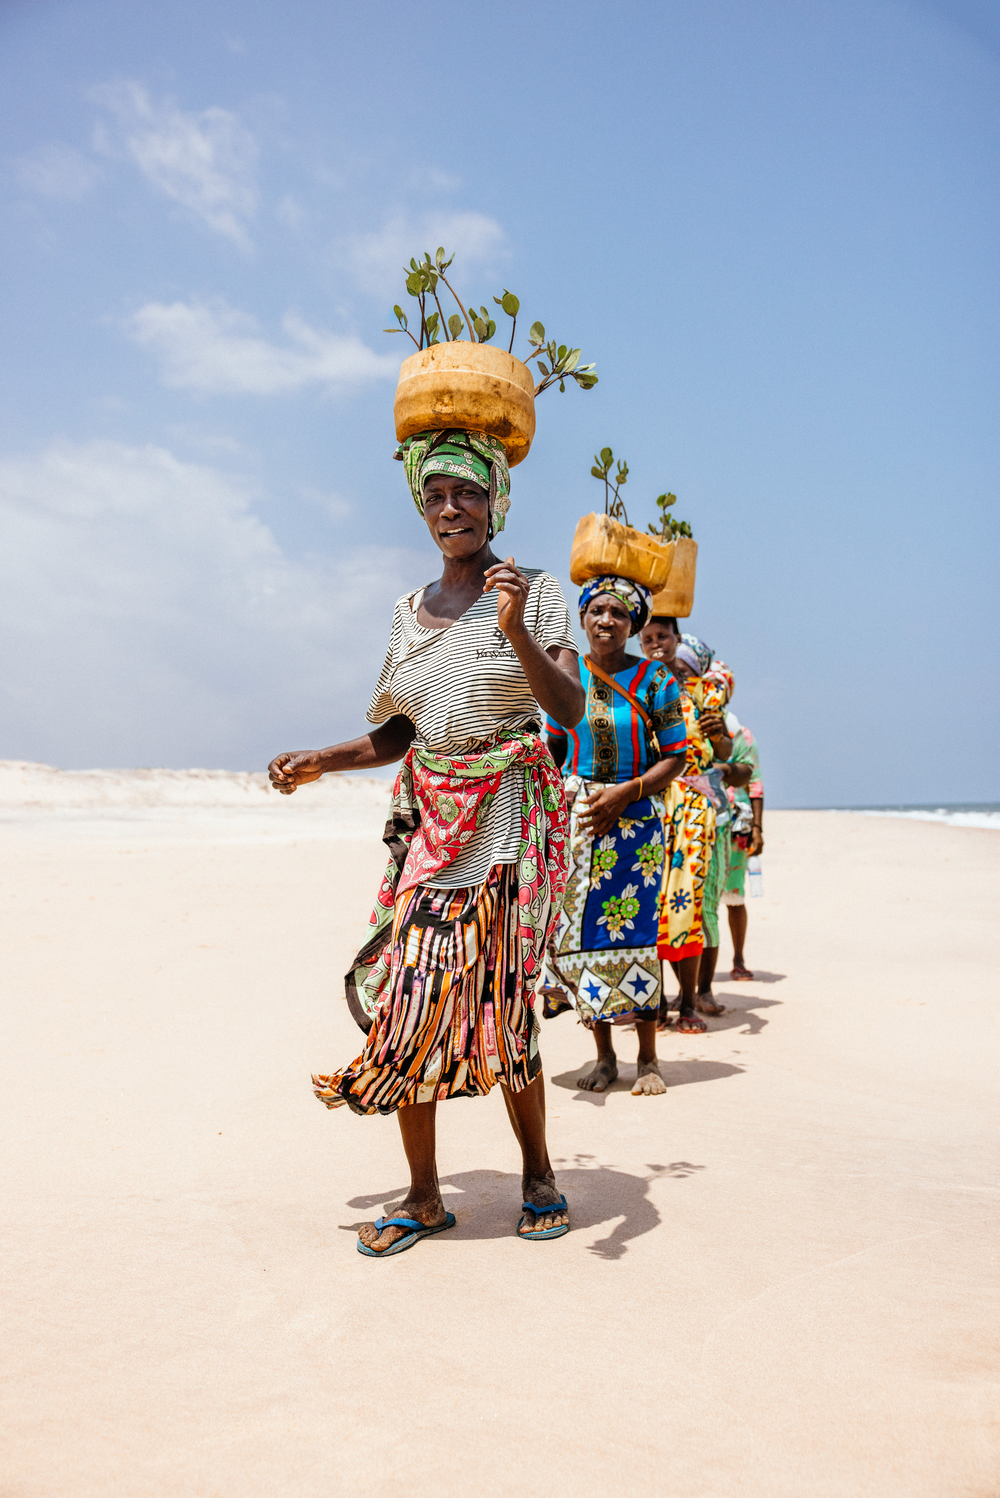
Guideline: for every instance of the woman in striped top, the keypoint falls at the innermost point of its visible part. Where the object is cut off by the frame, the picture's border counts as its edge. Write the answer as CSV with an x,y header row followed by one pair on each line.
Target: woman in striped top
x,y
444,986
617,762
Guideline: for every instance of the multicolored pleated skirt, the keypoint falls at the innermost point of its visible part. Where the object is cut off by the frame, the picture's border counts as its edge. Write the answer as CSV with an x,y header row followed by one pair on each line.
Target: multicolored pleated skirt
x,y
458,1014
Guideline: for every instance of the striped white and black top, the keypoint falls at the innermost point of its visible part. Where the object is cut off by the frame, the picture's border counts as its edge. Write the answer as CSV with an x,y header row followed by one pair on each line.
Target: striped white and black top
x,y
461,687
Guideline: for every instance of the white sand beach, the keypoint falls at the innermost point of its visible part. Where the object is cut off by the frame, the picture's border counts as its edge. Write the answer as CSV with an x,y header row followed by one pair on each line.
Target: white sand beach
x,y
782,1276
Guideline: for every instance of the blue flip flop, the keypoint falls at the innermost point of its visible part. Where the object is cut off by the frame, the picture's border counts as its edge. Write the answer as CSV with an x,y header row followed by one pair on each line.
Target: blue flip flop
x,y
420,1230
539,1236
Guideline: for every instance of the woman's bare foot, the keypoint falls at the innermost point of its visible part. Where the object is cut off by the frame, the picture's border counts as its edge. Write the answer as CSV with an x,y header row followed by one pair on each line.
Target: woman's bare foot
x,y
541,1191
600,1079
740,973
430,1212
705,1004
648,1082
690,1024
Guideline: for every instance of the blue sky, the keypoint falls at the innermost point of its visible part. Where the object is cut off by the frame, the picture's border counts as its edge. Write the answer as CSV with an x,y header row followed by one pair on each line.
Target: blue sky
x,y
773,226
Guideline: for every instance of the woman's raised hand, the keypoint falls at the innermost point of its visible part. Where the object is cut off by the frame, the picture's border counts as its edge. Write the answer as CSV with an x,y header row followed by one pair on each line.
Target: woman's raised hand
x,y
288,771
512,594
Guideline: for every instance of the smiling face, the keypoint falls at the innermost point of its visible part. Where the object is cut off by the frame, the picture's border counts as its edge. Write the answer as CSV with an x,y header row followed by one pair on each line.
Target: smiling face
x,y
608,622
660,639
457,512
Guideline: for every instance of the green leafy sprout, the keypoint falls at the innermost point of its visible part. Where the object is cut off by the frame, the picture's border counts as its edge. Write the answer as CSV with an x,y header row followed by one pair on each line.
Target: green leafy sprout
x,y
668,528
614,505
423,280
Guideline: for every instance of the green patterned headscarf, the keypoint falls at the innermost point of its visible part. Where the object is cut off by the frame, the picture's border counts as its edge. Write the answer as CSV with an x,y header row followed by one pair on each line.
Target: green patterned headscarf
x,y
464,455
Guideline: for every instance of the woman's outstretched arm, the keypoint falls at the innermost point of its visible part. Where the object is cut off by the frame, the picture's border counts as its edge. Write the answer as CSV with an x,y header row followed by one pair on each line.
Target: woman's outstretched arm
x,y
382,746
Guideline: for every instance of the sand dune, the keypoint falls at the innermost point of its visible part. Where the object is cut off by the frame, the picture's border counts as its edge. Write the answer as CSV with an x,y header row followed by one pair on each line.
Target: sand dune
x,y
781,1280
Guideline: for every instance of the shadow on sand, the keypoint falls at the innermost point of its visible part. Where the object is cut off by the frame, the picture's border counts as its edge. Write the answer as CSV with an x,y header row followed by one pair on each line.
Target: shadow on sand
x,y
674,1073
487,1202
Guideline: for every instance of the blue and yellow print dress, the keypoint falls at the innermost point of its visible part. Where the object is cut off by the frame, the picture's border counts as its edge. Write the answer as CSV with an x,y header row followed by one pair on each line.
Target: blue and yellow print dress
x,y
604,949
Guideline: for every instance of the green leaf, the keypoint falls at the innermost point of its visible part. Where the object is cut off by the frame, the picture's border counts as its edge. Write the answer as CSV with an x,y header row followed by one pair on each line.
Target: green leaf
x,y
491,328
572,360
439,257
455,325
597,472
544,368
563,351
510,304
536,333
431,323
607,456
415,283
562,386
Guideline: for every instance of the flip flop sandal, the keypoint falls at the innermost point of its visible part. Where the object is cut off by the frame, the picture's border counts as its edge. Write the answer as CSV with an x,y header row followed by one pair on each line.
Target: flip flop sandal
x,y
420,1230
690,1024
539,1235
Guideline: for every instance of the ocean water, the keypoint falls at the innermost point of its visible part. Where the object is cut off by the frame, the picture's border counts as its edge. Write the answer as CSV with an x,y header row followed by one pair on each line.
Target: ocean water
x,y
957,814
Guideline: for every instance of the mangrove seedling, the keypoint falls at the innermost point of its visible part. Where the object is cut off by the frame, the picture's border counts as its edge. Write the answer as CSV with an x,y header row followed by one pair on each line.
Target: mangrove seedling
x,y
614,505
559,364
669,528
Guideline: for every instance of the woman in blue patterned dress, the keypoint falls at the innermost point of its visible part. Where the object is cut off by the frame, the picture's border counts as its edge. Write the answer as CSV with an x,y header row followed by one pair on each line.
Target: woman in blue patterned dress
x,y
616,762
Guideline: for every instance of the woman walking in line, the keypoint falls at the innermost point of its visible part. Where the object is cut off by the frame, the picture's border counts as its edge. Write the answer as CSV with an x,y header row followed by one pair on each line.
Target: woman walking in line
x,y
617,763
724,778
747,802
690,815
445,984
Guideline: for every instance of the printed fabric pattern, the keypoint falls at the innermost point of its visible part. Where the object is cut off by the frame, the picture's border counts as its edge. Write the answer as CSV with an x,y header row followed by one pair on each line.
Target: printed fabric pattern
x,y
689,829
459,1014
604,950
437,802
611,743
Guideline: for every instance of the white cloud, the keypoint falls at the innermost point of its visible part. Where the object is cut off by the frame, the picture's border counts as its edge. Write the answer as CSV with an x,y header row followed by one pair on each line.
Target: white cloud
x,y
150,617
217,349
377,259
204,161
58,171
332,505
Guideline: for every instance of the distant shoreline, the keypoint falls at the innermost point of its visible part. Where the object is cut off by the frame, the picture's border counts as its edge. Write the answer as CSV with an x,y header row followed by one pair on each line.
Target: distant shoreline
x,y
985,814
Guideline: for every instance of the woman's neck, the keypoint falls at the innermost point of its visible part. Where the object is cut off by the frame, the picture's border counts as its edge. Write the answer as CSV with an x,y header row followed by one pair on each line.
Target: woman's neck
x,y
610,659
467,574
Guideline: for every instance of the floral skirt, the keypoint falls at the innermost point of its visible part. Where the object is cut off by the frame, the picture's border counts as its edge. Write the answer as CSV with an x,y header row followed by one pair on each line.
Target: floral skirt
x,y
458,1012
604,948
689,827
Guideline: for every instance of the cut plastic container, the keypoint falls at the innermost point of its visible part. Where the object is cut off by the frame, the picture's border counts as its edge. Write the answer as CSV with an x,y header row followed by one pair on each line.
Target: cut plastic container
x,y
471,386
603,545
676,600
